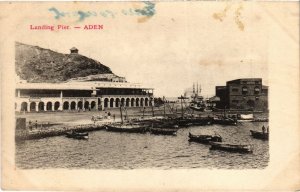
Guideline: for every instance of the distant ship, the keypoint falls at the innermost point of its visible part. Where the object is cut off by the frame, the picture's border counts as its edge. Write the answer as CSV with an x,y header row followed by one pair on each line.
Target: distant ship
x,y
196,101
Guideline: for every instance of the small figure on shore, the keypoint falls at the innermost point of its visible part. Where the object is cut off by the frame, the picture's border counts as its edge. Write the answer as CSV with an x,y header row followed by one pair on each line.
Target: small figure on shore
x,y
30,125
263,129
36,124
114,116
105,115
268,129
108,115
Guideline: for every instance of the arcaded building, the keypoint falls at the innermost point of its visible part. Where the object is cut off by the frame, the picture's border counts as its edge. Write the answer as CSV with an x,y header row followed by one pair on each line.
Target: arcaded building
x,y
243,94
93,95
51,81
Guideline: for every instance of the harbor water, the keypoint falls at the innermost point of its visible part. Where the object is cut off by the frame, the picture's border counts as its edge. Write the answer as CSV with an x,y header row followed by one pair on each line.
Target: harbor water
x,y
112,150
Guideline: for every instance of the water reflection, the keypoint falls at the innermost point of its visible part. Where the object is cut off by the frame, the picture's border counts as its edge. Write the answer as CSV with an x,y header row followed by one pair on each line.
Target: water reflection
x,y
110,150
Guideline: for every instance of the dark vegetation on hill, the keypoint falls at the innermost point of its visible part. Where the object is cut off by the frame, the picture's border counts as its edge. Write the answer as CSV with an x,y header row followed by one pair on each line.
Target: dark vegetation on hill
x,y
36,64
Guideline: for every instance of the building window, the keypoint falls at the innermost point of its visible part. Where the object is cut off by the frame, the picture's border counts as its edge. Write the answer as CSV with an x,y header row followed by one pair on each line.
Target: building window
x,y
244,90
256,90
235,89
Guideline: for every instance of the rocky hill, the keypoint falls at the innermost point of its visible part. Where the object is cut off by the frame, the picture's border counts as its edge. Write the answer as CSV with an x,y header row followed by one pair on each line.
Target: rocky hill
x,y
36,64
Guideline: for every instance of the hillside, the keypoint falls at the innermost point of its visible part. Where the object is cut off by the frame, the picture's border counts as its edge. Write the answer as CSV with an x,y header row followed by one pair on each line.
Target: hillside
x,y
36,64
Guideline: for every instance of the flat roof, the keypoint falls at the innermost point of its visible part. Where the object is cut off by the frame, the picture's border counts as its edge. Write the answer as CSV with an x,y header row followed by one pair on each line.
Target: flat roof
x,y
93,85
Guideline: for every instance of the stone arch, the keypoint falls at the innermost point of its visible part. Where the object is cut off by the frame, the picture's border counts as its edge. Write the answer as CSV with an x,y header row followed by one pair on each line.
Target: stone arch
x,y
66,105
24,106
79,105
132,102
106,100
123,102
93,105
117,102
41,106
137,102
49,106
142,102
56,105
86,105
146,102
73,105
127,102
111,102
32,106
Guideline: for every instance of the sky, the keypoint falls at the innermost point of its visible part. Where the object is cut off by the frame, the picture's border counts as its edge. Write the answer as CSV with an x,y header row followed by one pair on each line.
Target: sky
x,y
176,45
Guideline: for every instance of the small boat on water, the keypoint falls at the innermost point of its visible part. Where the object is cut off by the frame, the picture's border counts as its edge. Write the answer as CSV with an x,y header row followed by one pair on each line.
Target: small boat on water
x,y
259,135
231,147
197,106
225,121
190,121
126,127
77,135
161,131
204,139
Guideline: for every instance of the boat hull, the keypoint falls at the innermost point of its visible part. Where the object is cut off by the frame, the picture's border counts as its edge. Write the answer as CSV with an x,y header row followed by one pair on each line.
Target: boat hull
x,y
225,121
77,135
259,135
231,147
116,128
204,139
158,131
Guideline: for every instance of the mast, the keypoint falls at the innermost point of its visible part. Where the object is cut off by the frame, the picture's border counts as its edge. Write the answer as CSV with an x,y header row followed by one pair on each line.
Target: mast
x,y
197,88
152,110
164,106
121,113
143,112
193,87
126,115
181,98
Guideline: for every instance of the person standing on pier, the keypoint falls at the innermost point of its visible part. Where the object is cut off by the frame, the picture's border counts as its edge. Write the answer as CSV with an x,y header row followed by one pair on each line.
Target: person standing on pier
x,y
263,129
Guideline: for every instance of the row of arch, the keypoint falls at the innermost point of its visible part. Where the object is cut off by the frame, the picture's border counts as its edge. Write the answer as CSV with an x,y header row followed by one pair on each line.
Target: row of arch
x,y
133,102
54,106
92,105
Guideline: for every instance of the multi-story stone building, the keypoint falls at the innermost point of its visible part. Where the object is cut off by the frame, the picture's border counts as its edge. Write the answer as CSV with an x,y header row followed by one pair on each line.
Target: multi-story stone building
x,y
244,94
92,95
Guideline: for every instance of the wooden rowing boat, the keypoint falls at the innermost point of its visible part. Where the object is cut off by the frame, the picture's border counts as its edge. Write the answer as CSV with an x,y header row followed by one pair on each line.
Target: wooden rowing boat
x,y
204,139
231,147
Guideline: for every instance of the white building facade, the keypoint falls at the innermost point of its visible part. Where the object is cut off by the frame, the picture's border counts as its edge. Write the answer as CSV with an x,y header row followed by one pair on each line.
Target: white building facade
x,y
86,95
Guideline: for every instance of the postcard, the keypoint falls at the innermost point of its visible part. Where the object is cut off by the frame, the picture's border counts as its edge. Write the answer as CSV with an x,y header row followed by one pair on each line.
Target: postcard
x,y
150,95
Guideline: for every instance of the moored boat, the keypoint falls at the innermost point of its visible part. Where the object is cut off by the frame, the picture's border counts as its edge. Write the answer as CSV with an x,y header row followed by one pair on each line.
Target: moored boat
x,y
260,135
231,147
204,139
190,121
225,121
126,127
161,131
77,135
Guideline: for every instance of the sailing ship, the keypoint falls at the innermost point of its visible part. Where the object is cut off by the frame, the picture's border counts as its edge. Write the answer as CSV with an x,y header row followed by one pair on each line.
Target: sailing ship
x,y
196,100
